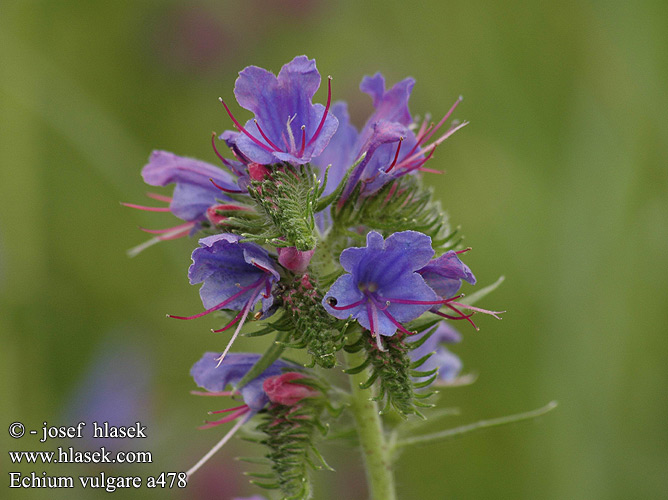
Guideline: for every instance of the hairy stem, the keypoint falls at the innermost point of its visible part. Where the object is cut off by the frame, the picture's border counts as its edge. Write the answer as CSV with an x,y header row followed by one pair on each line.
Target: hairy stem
x,y
375,449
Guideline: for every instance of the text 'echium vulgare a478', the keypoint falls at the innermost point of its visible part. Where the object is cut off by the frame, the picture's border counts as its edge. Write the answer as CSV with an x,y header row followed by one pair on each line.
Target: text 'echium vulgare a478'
x,y
327,240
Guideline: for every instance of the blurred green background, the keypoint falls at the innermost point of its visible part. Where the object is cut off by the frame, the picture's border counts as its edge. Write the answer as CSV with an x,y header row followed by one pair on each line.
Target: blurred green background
x,y
560,183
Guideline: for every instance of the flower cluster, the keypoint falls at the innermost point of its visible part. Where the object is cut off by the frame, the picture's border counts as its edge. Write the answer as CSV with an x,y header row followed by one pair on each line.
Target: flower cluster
x,y
326,236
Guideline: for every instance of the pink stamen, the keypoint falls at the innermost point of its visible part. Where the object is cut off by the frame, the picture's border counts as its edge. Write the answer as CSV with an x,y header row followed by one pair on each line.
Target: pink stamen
x,y
215,149
229,418
420,137
230,324
391,318
240,128
429,170
444,119
459,252
417,155
218,445
187,225
467,317
227,410
225,190
372,314
276,148
219,306
418,165
246,310
215,394
343,308
477,309
324,116
148,209
174,236
261,267
159,197
301,150
396,155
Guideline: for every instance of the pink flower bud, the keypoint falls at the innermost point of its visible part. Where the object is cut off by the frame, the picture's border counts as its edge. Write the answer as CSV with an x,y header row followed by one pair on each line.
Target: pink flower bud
x,y
293,259
282,390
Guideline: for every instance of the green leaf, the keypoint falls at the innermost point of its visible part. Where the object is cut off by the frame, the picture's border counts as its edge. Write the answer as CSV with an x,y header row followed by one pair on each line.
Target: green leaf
x,y
271,355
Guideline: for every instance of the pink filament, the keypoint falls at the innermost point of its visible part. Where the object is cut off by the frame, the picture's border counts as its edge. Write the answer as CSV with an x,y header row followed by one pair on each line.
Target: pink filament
x,y
276,148
187,226
350,306
229,418
159,197
221,305
324,116
231,323
240,128
225,190
396,156
148,209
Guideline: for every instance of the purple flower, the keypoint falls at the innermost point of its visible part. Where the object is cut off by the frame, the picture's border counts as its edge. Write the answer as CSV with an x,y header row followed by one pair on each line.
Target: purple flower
x,y
198,187
213,376
448,364
392,149
339,154
383,288
194,192
287,126
445,274
235,275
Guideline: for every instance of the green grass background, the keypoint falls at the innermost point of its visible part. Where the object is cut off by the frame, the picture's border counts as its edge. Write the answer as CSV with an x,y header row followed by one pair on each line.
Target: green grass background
x,y
560,183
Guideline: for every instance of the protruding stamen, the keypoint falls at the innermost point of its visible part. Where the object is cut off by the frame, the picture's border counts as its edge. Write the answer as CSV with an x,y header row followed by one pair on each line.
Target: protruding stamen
x,y
396,155
160,197
227,410
219,445
225,190
459,252
332,303
215,149
444,119
240,128
262,268
148,209
478,309
182,227
228,418
218,306
276,148
301,150
372,314
230,324
324,115
383,308
214,394
417,155
177,232
246,310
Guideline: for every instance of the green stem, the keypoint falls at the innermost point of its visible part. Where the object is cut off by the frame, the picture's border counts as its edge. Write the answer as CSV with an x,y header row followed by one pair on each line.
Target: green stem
x,y
375,448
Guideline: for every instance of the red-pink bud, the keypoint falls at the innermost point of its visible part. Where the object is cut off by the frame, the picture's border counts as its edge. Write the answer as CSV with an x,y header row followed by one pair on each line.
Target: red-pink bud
x,y
214,217
280,389
257,171
293,259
